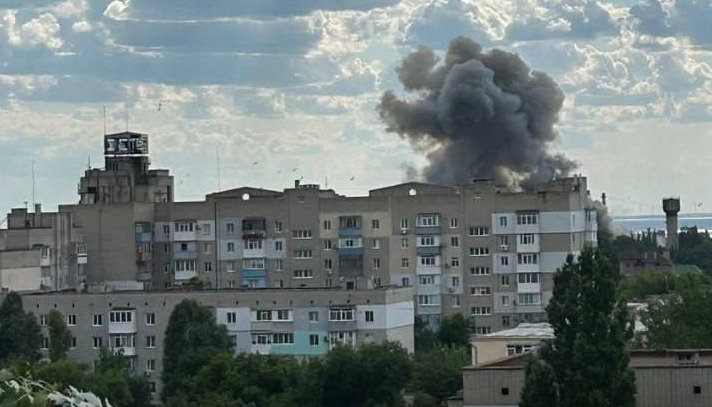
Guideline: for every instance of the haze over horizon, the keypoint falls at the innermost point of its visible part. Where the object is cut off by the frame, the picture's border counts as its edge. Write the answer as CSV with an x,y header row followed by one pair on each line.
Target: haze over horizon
x,y
277,88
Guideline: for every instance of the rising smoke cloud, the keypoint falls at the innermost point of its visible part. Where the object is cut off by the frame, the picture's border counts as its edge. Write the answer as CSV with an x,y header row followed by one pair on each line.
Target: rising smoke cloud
x,y
478,114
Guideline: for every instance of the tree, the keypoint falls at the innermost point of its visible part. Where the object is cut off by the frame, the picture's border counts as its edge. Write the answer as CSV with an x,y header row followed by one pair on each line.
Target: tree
x,y
437,373
60,338
454,330
19,332
679,320
694,247
588,358
425,337
192,338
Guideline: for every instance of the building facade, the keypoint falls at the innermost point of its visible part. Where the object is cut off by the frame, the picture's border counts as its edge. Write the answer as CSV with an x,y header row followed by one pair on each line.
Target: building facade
x,y
663,378
295,322
41,252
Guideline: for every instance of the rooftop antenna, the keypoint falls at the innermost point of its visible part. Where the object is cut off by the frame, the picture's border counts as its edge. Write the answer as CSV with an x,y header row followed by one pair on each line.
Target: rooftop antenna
x,y
217,162
126,106
105,120
33,183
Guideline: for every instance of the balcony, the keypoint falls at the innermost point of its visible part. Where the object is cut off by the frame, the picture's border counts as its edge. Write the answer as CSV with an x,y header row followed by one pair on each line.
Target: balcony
x,y
253,228
427,224
144,237
186,254
351,265
434,269
428,250
254,278
184,275
528,287
350,232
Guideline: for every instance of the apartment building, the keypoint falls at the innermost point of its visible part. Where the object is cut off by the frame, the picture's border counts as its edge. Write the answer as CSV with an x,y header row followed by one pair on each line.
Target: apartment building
x,y
296,322
41,252
662,378
478,249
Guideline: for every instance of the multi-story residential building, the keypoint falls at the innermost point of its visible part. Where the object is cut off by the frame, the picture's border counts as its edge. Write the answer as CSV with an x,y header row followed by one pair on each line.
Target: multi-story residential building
x,y
296,322
41,252
478,249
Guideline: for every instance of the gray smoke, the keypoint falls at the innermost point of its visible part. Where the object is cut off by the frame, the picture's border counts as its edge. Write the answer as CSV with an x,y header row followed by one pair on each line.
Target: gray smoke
x,y
478,115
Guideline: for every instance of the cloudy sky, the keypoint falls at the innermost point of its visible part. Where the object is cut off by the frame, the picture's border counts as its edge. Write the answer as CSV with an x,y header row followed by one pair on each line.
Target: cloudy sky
x,y
288,89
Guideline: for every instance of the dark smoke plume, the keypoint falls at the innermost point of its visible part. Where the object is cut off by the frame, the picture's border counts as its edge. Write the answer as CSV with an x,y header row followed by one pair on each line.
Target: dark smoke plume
x,y
478,115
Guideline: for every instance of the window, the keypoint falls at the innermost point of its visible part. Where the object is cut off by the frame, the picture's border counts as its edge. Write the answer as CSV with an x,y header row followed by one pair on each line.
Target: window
x,y
284,315
150,318
302,254
504,261
426,279
479,231
504,301
404,223
503,221
264,315
166,268
528,278
97,320
278,265
166,230
150,341
302,234
231,266
184,247
405,262
455,262
527,258
481,310
327,244
529,299
73,344
428,220
480,271
232,317
505,320
261,339
455,300
404,242
427,260
254,264
253,244
313,340
305,273
341,314
376,244
455,281
231,247
184,226
123,341
342,337
43,320
120,316
327,225
504,391
150,365
426,241
313,316
405,281
97,342
350,222
375,224
376,264
328,264
278,246
697,389
519,349
206,228
428,300
278,227
369,316
207,248
504,281
483,330
166,248
479,251
207,266
230,227
453,223
481,290
455,241
350,242
527,218
526,239
185,265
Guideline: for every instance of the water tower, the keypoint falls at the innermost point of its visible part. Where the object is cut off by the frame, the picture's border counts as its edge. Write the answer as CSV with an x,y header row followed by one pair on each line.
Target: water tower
x,y
671,206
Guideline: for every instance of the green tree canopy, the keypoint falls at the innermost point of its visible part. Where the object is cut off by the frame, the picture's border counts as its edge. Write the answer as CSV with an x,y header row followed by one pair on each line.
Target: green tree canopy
x,y
60,338
454,330
19,332
437,372
587,361
192,338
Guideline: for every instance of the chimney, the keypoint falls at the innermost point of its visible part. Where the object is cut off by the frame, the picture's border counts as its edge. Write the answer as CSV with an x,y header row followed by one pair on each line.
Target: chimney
x,y
38,208
671,206
603,199
296,184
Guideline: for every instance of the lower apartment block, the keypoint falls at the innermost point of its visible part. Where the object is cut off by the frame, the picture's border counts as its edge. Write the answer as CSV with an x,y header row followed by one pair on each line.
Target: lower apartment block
x,y
294,322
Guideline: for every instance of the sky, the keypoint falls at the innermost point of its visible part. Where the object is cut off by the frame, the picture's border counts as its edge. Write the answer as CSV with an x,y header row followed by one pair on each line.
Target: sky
x,y
278,90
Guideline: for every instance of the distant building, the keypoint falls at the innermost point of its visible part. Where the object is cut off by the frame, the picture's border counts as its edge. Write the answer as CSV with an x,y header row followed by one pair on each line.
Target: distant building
x,y
664,378
294,322
526,337
633,263
41,252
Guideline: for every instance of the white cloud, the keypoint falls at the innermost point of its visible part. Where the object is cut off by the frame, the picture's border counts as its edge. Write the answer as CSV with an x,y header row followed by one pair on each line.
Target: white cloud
x,y
41,31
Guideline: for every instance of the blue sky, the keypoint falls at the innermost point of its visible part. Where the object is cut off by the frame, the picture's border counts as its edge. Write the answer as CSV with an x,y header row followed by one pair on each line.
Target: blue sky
x,y
275,85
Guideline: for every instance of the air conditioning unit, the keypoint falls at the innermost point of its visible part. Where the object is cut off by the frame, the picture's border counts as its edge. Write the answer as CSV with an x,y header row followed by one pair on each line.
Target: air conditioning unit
x,y
504,247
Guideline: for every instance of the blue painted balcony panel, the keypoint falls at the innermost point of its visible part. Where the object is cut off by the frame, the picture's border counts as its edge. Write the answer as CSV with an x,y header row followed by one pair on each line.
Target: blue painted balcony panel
x,y
350,251
186,254
350,232
145,237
